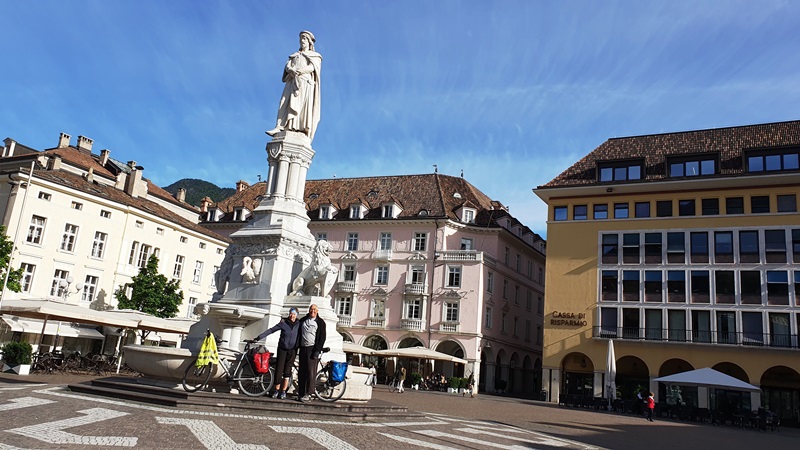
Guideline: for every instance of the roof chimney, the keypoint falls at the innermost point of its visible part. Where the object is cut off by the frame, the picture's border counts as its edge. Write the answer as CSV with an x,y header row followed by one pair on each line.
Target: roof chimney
x,y
55,163
63,140
89,177
181,195
204,203
104,157
134,179
85,144
8,150
241,185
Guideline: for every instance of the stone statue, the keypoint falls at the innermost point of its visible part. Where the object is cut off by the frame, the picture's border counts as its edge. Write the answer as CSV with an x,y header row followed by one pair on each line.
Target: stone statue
x,y
251,269
311,280
299,107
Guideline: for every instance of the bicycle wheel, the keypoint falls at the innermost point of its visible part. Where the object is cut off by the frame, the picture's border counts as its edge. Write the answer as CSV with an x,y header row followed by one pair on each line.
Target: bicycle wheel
x,y
254,384
392,385
326,391
196,377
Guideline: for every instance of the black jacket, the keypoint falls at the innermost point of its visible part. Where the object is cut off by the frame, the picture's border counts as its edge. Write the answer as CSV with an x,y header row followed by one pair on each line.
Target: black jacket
x,y
319,341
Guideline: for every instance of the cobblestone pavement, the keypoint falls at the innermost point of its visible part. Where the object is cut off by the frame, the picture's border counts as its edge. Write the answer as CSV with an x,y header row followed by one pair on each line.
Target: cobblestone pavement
x,y
47,416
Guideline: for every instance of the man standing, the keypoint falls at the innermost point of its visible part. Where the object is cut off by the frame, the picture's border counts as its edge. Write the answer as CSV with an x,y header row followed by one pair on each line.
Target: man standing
x,y
311,342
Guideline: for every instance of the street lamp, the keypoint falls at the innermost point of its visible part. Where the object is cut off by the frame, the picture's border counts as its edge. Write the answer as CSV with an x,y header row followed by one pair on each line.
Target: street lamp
x,y
64,285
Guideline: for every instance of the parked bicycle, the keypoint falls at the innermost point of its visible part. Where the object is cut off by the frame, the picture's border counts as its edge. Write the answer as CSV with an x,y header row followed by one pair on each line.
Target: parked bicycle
x,y
326,387
239,369
393,383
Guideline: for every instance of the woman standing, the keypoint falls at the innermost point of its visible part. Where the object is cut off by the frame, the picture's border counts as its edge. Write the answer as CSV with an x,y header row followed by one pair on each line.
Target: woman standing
x,y
287,350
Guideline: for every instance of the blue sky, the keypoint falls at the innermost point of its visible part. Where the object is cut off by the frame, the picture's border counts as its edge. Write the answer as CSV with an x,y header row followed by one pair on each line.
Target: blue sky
x,y
510,92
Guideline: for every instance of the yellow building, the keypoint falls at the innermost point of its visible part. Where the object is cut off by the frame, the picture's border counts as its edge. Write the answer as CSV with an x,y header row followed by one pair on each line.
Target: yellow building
x,y
683,248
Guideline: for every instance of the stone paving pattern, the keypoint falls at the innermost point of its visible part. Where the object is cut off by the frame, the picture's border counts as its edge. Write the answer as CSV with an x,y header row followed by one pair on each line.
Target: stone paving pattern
x,y
31,414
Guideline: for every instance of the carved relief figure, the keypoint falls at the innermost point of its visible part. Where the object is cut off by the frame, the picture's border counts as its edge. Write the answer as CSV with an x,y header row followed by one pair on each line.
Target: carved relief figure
x,y
299,107
311,280
223,275
251,269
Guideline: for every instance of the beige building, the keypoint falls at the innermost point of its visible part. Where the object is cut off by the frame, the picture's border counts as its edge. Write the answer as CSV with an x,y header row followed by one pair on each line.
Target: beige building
x,y
425,260
84,224
683,248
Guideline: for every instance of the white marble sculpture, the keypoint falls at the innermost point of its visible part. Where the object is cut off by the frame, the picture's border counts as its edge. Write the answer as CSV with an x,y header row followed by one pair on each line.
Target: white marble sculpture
x,y
251,269
299,107
311,280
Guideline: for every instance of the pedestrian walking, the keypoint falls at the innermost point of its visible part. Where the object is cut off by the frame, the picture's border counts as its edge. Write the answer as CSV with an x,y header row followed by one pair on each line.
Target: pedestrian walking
x,y
400,374
287,350
651,405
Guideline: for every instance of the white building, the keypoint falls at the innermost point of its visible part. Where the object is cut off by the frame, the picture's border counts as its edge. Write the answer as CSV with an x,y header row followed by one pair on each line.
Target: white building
x,y
90,222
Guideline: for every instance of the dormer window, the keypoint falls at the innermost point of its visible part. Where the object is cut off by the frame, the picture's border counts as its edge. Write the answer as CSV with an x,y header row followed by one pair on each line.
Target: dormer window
x,y
773,160
619,170
692,166
325,212
240,214
468,215
212,214
356,211
388,211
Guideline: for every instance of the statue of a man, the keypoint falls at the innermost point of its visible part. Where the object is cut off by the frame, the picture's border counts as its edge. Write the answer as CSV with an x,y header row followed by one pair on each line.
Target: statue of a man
x,y
299,108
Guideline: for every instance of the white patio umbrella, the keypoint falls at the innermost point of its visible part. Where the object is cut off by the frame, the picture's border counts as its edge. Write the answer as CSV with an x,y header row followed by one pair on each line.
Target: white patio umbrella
x,y
611,373
419,353
150,322
349,347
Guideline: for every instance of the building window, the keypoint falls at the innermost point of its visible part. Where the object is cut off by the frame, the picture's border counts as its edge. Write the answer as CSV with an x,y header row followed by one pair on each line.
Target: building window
x,y
144,254
724,287
382,275
355,212
320,237
490,275
68,239
352,242
453,276
676,325
710,206
775,246
560,213
796,248
620,171
385,242
105,214
139,224
700,286
58,276
759,204
420,242
518,264
692,168
177,270
701,326
621,211
516,294
748,246
184,239
503,322
686,208
27,276
202,245
630,248
752,328
214,271
608,322
467,244
132,255
413,309
778,287
653,326
580,212
388,211
99,244
750,282
773,161
417,275
676,248
159,231
734,205
600,212
541,275
469,216
676,286
36,230
723,247
451,312
699,247
652,286
344,306
610,248
487,318
198,272
192,302
529,300
45,196
609,285
527,330
89,288
630,285
505,256
530,269
642,209
349,272
377,308
77,205
324,212
726,327
505,289
787,203
664,208
516,327
539,305
652,248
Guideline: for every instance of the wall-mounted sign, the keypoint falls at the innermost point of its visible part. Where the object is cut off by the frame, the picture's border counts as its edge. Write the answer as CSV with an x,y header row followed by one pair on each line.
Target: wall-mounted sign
x,y
568,319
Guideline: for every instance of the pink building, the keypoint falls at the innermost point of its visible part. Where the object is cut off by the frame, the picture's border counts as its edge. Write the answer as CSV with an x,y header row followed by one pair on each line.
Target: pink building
x,y
425,260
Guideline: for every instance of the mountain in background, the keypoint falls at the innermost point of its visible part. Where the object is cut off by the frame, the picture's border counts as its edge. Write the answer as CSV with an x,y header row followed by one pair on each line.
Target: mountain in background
x,y
196,190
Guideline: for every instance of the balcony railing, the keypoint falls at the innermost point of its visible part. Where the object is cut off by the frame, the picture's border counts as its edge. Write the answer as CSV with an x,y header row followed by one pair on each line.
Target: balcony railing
x,y
376,322
772,340
416,289
412,324
449,327
382,255
462,255
346,286
344,321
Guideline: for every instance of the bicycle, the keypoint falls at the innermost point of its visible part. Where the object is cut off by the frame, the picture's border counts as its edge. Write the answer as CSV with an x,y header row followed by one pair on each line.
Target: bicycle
x,y
240,370
325,388
392,384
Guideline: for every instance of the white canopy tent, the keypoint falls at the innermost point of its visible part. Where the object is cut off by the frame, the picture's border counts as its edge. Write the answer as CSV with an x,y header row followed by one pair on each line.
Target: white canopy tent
x,y
708,377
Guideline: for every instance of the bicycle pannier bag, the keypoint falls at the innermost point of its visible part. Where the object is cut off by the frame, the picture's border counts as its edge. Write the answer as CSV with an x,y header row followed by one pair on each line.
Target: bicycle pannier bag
x,y
261,360
338,371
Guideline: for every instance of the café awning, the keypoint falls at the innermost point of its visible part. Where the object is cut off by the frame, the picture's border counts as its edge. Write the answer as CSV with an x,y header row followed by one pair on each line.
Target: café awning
x,y
419,353
150,322
34,326
52,310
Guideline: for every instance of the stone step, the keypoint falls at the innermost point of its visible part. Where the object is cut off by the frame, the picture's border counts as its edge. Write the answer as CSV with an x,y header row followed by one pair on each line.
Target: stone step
x,y
143,391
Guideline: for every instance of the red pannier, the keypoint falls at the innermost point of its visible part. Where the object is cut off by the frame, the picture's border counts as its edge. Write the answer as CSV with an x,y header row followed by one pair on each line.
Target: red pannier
x,y
261,359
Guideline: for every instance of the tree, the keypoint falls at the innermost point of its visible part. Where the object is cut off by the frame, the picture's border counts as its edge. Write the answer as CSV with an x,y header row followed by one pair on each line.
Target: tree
x,y
151,293
14,276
